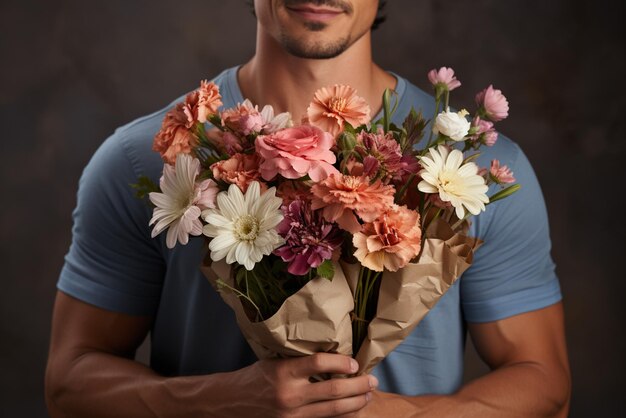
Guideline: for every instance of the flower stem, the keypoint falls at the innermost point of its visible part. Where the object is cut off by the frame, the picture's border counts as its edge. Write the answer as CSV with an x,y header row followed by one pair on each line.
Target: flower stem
x,y
239,293
460,221
430,136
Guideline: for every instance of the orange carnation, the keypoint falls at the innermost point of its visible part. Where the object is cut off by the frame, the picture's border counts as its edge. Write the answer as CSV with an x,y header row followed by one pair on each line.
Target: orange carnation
x,y
175,136
333,106
344,196
390,241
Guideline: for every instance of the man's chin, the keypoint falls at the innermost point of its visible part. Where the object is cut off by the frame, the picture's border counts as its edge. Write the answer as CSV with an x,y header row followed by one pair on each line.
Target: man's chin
x,y
319,50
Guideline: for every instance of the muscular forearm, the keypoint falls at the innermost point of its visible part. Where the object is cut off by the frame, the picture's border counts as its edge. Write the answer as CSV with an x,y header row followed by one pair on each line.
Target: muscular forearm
x,y
518,390
97,384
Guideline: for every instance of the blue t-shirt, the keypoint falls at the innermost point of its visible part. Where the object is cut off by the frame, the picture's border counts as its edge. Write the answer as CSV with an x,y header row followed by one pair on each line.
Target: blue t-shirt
x,y
114,264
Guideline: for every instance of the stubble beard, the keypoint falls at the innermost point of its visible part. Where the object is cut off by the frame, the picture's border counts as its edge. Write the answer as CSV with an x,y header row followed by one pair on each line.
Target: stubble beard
x,y
316,50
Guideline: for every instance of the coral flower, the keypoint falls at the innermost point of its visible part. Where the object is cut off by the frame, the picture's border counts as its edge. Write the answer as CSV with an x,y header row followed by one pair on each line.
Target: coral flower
x,y
179,205
494,104
175,136
240,169
391,241
333,106
501,174
209,100
343,196
457,183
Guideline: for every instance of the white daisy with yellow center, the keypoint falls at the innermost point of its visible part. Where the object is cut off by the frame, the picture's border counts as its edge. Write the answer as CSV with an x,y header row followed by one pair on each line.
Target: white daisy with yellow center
x,y
457,183
243,227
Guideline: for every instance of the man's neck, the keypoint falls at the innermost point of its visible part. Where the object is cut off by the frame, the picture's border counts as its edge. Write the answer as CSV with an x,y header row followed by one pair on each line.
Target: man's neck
x,y
288,83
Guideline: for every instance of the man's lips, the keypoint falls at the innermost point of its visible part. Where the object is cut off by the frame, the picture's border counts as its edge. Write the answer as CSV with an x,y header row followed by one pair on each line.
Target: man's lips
x,y
310,12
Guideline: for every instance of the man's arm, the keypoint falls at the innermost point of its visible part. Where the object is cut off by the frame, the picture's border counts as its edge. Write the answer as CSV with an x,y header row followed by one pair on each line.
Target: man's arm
x,y
530,374
91,372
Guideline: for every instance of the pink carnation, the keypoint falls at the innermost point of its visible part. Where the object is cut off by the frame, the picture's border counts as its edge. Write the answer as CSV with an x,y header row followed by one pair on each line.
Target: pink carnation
x,y
501,174
243,119
344,196
443,78
333,106
240,169
390,241
296,152
494,104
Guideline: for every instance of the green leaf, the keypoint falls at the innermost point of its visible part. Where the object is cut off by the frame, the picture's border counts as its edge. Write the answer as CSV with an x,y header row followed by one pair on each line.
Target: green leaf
x,y
144,186
505,193
471,158
326,270
386,110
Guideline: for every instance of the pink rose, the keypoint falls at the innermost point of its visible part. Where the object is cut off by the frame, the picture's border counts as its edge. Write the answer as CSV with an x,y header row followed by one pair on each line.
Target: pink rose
x,y
296,152
494,104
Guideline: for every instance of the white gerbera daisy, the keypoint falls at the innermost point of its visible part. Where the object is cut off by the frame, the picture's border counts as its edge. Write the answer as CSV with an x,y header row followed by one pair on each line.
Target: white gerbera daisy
x,y
458,184
179,205
243,226
273,123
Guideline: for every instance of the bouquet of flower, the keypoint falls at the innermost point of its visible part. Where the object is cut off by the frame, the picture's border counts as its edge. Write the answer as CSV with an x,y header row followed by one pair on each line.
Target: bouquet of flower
x,y
337,234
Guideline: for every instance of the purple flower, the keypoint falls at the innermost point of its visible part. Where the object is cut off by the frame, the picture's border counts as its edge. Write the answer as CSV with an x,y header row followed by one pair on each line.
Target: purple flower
x,y
310,240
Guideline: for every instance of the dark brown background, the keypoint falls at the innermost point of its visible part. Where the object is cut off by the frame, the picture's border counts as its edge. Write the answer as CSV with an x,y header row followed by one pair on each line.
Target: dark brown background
x,y
72,71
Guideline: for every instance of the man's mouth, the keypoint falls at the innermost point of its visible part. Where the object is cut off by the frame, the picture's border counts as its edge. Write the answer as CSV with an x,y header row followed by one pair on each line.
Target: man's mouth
x,y
311,11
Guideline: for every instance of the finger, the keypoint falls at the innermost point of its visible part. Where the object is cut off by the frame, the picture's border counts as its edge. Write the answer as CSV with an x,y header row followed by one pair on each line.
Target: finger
x,y
335,407
340,388
323,363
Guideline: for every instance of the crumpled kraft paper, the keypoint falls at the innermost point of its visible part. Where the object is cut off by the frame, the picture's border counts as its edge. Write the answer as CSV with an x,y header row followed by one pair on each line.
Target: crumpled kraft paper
x,y
317,317
406,296
314,319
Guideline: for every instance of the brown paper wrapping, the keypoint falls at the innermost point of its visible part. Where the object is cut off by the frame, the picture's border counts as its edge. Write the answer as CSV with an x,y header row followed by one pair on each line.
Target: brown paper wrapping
x,y
406,296
317,317
314,319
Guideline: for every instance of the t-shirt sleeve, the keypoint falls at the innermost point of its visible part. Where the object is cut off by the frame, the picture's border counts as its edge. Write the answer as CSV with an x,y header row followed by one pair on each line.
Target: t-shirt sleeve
x,y
513,271
112,262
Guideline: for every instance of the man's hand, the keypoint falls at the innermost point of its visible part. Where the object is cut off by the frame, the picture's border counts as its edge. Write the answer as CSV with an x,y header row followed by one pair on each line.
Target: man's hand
x,y
281,388
91,372
530,374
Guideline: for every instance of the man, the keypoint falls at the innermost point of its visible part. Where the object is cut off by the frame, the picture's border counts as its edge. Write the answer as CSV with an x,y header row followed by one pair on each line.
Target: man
x,y
118,284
